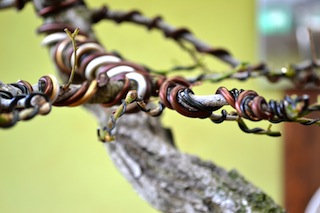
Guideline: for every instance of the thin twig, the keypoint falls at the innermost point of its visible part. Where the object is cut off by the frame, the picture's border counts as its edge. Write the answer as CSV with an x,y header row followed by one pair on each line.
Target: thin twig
x,y
72,36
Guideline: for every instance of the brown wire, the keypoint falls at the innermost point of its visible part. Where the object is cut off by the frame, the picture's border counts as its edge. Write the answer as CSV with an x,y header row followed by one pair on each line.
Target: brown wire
x,y
75,97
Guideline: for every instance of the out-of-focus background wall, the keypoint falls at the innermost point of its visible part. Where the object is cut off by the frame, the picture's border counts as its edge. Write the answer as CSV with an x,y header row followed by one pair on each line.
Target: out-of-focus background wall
x,y
55,163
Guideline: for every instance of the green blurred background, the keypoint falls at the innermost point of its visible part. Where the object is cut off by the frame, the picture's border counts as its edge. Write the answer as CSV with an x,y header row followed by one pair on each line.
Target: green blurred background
x,y
55,163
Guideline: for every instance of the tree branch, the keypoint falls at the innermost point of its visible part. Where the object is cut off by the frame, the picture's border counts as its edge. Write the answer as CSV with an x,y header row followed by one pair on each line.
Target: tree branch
x,y
168,179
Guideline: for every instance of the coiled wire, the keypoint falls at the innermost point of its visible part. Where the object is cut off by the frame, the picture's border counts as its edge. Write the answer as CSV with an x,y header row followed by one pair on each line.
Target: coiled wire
x,y
98,68
95,64
23,105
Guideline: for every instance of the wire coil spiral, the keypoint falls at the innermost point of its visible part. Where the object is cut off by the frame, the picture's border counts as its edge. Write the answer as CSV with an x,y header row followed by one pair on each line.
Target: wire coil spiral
x,y
23,105
95,64
104,78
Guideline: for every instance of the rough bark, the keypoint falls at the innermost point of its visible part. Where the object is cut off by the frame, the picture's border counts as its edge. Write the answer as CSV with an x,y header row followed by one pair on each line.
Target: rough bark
x,y
172,181
175,182
168,179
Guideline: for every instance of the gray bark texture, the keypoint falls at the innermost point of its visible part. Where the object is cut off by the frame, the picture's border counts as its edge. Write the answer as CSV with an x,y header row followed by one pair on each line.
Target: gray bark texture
x,y
175,182
169,180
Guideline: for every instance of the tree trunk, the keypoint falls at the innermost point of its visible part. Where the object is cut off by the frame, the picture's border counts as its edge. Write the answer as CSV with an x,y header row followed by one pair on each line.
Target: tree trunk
x,y
175,182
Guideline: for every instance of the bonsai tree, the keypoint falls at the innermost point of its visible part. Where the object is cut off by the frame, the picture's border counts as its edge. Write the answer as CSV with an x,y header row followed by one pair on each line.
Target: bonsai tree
x,y
127,99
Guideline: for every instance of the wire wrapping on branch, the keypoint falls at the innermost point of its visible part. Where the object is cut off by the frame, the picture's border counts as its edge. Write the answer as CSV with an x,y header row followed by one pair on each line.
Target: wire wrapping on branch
x,y
23,105
169,31
95,64
302,74
100,77
174,94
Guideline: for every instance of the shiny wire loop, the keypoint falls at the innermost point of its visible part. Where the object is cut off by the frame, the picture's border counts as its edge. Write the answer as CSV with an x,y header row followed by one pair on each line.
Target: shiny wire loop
x,y
220,119
173,95
24,106
251,106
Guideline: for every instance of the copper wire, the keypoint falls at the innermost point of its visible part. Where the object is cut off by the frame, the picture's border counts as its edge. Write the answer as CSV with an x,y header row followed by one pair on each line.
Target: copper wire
x,y
74,97
89,94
